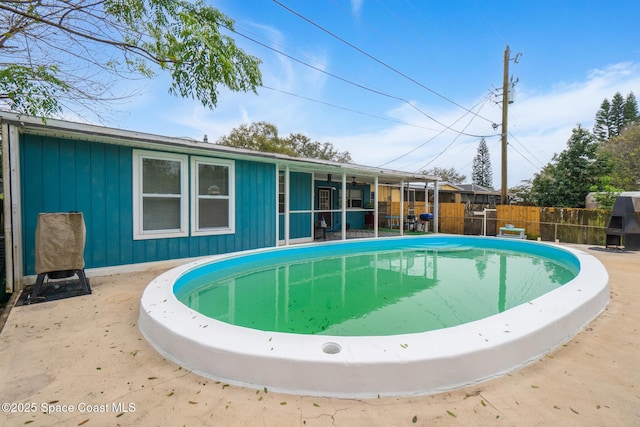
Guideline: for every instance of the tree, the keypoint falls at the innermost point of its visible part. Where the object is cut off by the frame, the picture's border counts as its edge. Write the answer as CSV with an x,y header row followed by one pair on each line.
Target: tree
x,y
73,54
305,147
522,193
613,117
602,128
544,190
260,136
263,136
630,110
616,114
446,174
605,192
482,173
568,178
624,153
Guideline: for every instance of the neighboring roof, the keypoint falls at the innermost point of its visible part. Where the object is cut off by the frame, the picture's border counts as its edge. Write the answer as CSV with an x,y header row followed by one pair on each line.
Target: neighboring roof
x,y
73,130
476,189
448,186
465,188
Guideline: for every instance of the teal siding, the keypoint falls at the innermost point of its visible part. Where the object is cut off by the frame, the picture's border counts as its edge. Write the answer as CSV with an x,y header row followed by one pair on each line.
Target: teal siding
x,y
299,226
61,175
355,220
300,189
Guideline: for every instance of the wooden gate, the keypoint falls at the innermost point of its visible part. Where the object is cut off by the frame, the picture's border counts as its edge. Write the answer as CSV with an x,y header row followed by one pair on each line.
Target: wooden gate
x,y
451,218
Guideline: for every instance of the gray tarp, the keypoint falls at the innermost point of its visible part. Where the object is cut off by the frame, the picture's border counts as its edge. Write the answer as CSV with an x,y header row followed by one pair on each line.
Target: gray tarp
x,y
60,239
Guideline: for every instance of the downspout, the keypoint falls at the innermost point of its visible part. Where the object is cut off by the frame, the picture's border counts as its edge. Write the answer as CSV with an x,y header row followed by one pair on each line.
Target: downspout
x,y
6,211
12,220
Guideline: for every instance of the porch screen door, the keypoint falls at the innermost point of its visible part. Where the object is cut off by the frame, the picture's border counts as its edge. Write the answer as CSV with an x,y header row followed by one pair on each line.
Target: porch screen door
x,y
324,204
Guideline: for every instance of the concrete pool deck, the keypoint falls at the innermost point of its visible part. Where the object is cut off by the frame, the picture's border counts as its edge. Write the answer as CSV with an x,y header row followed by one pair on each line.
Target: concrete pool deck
x,y
88,354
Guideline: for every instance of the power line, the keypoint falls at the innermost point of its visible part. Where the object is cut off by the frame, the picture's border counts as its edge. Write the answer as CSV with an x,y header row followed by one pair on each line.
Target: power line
x,y
405,24
390,36
402,99
537,168
347,108
384,64
515,121
486,98
527,150
452,142
358,85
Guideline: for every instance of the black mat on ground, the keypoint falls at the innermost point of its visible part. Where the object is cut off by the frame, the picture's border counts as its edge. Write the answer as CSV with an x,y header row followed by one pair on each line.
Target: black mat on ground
x,y
612,250
53,291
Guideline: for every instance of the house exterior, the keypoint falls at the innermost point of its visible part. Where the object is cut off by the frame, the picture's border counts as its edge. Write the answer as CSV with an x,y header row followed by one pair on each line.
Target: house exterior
x,y
468,193
477,194
149,200
449,193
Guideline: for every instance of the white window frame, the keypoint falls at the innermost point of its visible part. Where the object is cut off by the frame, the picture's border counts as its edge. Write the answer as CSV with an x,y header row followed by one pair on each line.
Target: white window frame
x,y
195,197
350,199
138,232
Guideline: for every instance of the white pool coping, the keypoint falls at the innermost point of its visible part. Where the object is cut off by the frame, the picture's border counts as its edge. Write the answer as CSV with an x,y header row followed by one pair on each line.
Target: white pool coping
x,y
368,367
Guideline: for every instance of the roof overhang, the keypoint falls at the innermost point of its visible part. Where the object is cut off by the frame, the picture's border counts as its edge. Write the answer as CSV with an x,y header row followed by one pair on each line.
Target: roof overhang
x,y
95,133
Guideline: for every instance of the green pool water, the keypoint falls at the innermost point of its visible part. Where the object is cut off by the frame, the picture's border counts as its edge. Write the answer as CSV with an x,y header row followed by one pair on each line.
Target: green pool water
x,y
373,290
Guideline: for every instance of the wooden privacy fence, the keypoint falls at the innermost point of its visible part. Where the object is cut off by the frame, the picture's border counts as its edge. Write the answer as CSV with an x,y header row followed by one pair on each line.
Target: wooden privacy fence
x,y
527,217
574,225
451,218
415,208
569,225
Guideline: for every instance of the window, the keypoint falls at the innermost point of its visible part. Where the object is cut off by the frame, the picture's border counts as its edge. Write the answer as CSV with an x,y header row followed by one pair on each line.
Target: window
x,y
159,195
212,210
281,194
354,198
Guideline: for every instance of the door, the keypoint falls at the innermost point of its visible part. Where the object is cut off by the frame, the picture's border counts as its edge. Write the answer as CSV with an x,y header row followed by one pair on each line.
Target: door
x,y
325,204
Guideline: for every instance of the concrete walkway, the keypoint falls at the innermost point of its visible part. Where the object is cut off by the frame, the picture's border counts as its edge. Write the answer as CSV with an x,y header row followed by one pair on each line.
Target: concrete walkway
x,y
82,361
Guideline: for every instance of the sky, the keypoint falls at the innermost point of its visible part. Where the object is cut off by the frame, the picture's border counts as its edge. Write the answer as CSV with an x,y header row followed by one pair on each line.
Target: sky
x,y
415,84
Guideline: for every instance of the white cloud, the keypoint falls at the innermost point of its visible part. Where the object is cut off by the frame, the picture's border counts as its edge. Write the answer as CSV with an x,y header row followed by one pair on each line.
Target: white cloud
x,y
356,7
539,126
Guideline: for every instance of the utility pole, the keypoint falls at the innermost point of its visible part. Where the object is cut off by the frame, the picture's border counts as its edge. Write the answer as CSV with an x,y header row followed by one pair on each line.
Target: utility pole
x,y
505,106
507,98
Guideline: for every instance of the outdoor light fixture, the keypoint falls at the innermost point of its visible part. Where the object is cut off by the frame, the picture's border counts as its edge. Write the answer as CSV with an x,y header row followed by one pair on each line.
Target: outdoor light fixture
x,y
328,177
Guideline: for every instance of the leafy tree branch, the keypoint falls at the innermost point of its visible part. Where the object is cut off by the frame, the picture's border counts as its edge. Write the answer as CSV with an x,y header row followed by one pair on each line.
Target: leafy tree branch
x,y
87,48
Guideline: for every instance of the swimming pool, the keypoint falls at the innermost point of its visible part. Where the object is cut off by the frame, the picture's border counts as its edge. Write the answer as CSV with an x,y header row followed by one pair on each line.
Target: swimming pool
x,y
369,366
375,288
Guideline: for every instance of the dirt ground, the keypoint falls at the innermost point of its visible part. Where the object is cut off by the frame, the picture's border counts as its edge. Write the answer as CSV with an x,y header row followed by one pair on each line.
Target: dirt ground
x,y
82,361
